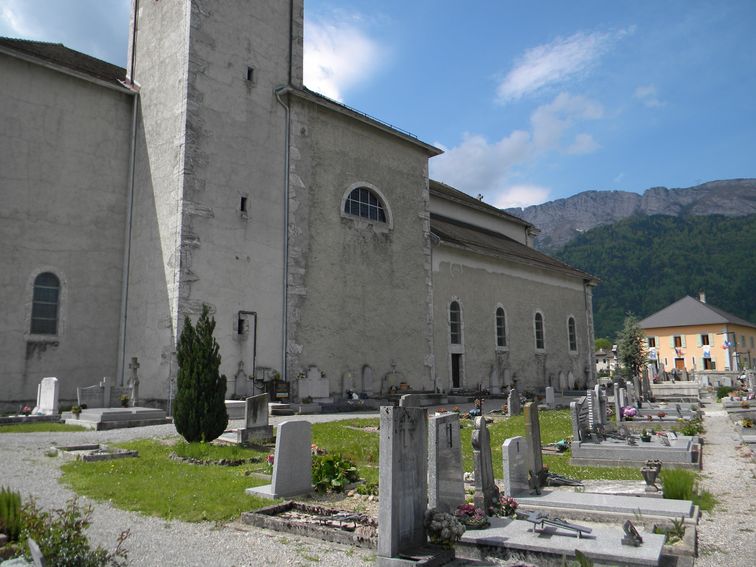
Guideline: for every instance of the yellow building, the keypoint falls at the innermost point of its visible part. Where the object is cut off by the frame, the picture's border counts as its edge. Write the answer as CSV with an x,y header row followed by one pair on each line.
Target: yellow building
x,y
693,335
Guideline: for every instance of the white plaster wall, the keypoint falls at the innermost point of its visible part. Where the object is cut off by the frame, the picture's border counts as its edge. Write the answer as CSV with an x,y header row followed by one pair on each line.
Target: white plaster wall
x,y
480,284
359,295
64,148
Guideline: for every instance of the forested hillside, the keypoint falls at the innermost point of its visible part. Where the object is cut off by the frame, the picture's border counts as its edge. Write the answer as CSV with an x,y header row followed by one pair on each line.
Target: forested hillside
x,y
647,262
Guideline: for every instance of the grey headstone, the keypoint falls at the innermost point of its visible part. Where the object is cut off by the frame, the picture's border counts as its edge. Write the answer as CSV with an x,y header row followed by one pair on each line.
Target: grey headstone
x,y
446,489
134,381
47,397
550,397
109,399
535,458
256,411
514,452
575,418
513,402
646,386
292,465
617,404
403,480
486,491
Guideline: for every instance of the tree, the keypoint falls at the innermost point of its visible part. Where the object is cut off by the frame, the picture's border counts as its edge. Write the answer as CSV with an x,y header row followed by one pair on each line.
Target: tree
x,y
603,344
631,348
200,410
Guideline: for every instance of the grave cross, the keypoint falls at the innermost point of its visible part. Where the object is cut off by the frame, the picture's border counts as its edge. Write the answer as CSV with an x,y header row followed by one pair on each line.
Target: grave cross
x,y
405,427
134,366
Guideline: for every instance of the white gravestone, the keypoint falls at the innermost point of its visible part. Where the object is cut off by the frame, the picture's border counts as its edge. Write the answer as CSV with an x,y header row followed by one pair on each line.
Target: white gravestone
x,y
292,464
314,385
47,397
446,489
514,452
550,403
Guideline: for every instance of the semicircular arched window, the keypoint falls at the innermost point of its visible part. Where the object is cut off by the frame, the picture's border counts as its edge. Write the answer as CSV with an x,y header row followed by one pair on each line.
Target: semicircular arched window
x,y
364,203
45,301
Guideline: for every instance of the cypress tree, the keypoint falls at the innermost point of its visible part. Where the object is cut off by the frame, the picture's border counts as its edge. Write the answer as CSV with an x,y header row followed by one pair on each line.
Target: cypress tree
x,y
199,411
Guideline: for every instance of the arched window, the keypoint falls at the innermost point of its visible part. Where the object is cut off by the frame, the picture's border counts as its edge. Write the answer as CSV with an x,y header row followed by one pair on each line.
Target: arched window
x,y
362,202
455,323
540,343
572,334
501,328
44,318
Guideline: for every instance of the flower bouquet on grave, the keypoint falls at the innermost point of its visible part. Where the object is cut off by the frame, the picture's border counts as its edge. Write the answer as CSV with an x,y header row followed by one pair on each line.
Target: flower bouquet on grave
x,y
629,412
269,463
26,410
442,528
124,400
505,506
471,517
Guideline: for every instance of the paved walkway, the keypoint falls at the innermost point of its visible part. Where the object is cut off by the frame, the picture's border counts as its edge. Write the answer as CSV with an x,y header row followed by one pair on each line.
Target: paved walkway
x,y
727,535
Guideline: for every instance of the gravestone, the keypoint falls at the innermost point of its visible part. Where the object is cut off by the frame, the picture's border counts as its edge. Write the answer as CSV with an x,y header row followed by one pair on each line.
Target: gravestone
x,y
134,381
486,491
292,463
646,395
514,452
255,420
536,473
47,397
403,482
592,403
617,403
314,385
600,406
550,403
513,402
632,395
446,488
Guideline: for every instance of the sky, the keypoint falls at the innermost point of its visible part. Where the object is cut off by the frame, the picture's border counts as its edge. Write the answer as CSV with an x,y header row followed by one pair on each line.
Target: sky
x,y
530,100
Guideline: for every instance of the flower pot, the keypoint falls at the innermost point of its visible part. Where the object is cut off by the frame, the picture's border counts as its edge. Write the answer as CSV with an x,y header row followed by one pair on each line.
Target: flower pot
x,y
646,438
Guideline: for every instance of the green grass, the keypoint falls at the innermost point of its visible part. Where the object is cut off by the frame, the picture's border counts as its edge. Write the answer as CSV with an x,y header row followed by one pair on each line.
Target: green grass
x,y
158,486
347,438
682,484
40,426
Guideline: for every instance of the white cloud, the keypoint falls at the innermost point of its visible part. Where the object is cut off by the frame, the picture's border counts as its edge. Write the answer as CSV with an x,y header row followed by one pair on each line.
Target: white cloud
x,y
479,166
14,18
556,62
648,95
521,196
338,55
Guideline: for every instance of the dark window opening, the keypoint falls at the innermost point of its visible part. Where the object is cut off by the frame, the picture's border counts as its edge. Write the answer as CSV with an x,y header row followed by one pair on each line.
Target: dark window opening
x,y
572,334
44,318
501,328
678,342
362,202
651,342
705,339
456,361
455,323
243,205
251,74
540,343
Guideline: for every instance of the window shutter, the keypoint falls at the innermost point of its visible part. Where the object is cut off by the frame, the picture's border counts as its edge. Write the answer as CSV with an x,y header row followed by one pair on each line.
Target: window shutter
x,y
672,341
657,340
700,342
701,364
682,338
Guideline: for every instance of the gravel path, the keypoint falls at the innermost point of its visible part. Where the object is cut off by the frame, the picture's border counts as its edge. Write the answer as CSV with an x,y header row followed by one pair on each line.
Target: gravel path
x,y
727,535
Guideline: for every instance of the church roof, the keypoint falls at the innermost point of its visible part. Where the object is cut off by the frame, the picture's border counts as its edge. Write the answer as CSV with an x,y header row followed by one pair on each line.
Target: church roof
x,y
448,192
58,55
490,243
691,311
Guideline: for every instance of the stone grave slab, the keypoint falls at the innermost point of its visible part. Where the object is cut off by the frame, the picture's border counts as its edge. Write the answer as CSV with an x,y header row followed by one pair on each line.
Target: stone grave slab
x,y
117,418
602,545
683,452
292,462
446,488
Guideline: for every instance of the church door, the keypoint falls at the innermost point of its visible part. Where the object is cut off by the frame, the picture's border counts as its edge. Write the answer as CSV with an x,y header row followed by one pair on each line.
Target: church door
x,y
456,368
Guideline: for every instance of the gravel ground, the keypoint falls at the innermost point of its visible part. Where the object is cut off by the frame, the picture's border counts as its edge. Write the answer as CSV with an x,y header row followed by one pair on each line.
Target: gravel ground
x,y
727,537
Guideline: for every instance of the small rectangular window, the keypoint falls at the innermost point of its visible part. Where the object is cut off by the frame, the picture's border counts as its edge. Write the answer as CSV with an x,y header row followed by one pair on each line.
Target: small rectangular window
x,y
251,74
678,341
705,339
243,205
651,342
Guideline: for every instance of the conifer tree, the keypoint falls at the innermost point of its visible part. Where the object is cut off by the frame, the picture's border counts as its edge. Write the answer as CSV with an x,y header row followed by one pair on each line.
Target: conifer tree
x,y
199,410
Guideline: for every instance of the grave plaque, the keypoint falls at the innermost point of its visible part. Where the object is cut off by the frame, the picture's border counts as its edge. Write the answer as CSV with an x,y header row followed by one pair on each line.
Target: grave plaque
x,y
514,452
47,397
486,491
292,464
446,488
403,481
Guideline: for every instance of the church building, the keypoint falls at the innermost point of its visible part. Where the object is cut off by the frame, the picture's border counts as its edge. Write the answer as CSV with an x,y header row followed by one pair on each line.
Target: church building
x,y
207,173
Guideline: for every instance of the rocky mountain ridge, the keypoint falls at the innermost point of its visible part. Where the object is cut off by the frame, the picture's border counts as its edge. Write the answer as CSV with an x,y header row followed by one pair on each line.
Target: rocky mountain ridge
x,y
563,219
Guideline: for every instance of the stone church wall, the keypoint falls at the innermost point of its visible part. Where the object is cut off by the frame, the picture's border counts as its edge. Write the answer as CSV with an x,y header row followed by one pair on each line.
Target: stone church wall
x,y
480,285
360,290
64,155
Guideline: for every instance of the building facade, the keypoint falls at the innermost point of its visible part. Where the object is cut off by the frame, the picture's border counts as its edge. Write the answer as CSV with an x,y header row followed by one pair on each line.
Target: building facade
x,y
206,173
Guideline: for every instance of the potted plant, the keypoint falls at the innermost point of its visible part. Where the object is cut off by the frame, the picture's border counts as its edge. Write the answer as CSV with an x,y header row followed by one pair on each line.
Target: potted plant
x,y
442,528
471,517
661,415
645,436
76,411
746,422
124,400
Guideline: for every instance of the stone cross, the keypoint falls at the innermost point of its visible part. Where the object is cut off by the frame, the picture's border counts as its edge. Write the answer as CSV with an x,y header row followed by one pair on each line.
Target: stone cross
x,y
446,488
403,478
486,491
134,366
536,472
514,452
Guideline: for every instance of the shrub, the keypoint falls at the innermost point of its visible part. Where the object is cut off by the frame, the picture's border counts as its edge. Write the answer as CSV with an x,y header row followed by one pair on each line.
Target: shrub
x,y
10,513
368,489
200,410
723,391
331,473
60,536
678,484
692,427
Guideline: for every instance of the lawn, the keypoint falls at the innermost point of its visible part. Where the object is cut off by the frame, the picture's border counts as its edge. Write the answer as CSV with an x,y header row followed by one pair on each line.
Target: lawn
x,y
156,485
40,426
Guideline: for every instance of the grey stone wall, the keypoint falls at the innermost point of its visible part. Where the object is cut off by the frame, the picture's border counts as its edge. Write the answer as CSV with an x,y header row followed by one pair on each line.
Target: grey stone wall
x,y
480,284
64,154
359,291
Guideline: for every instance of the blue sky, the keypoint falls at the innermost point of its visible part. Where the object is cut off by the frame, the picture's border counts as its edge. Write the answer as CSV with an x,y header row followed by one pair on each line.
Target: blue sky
x,y
532,101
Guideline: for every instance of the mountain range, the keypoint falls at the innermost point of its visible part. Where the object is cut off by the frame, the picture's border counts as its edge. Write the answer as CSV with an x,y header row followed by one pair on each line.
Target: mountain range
x,y
562,220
